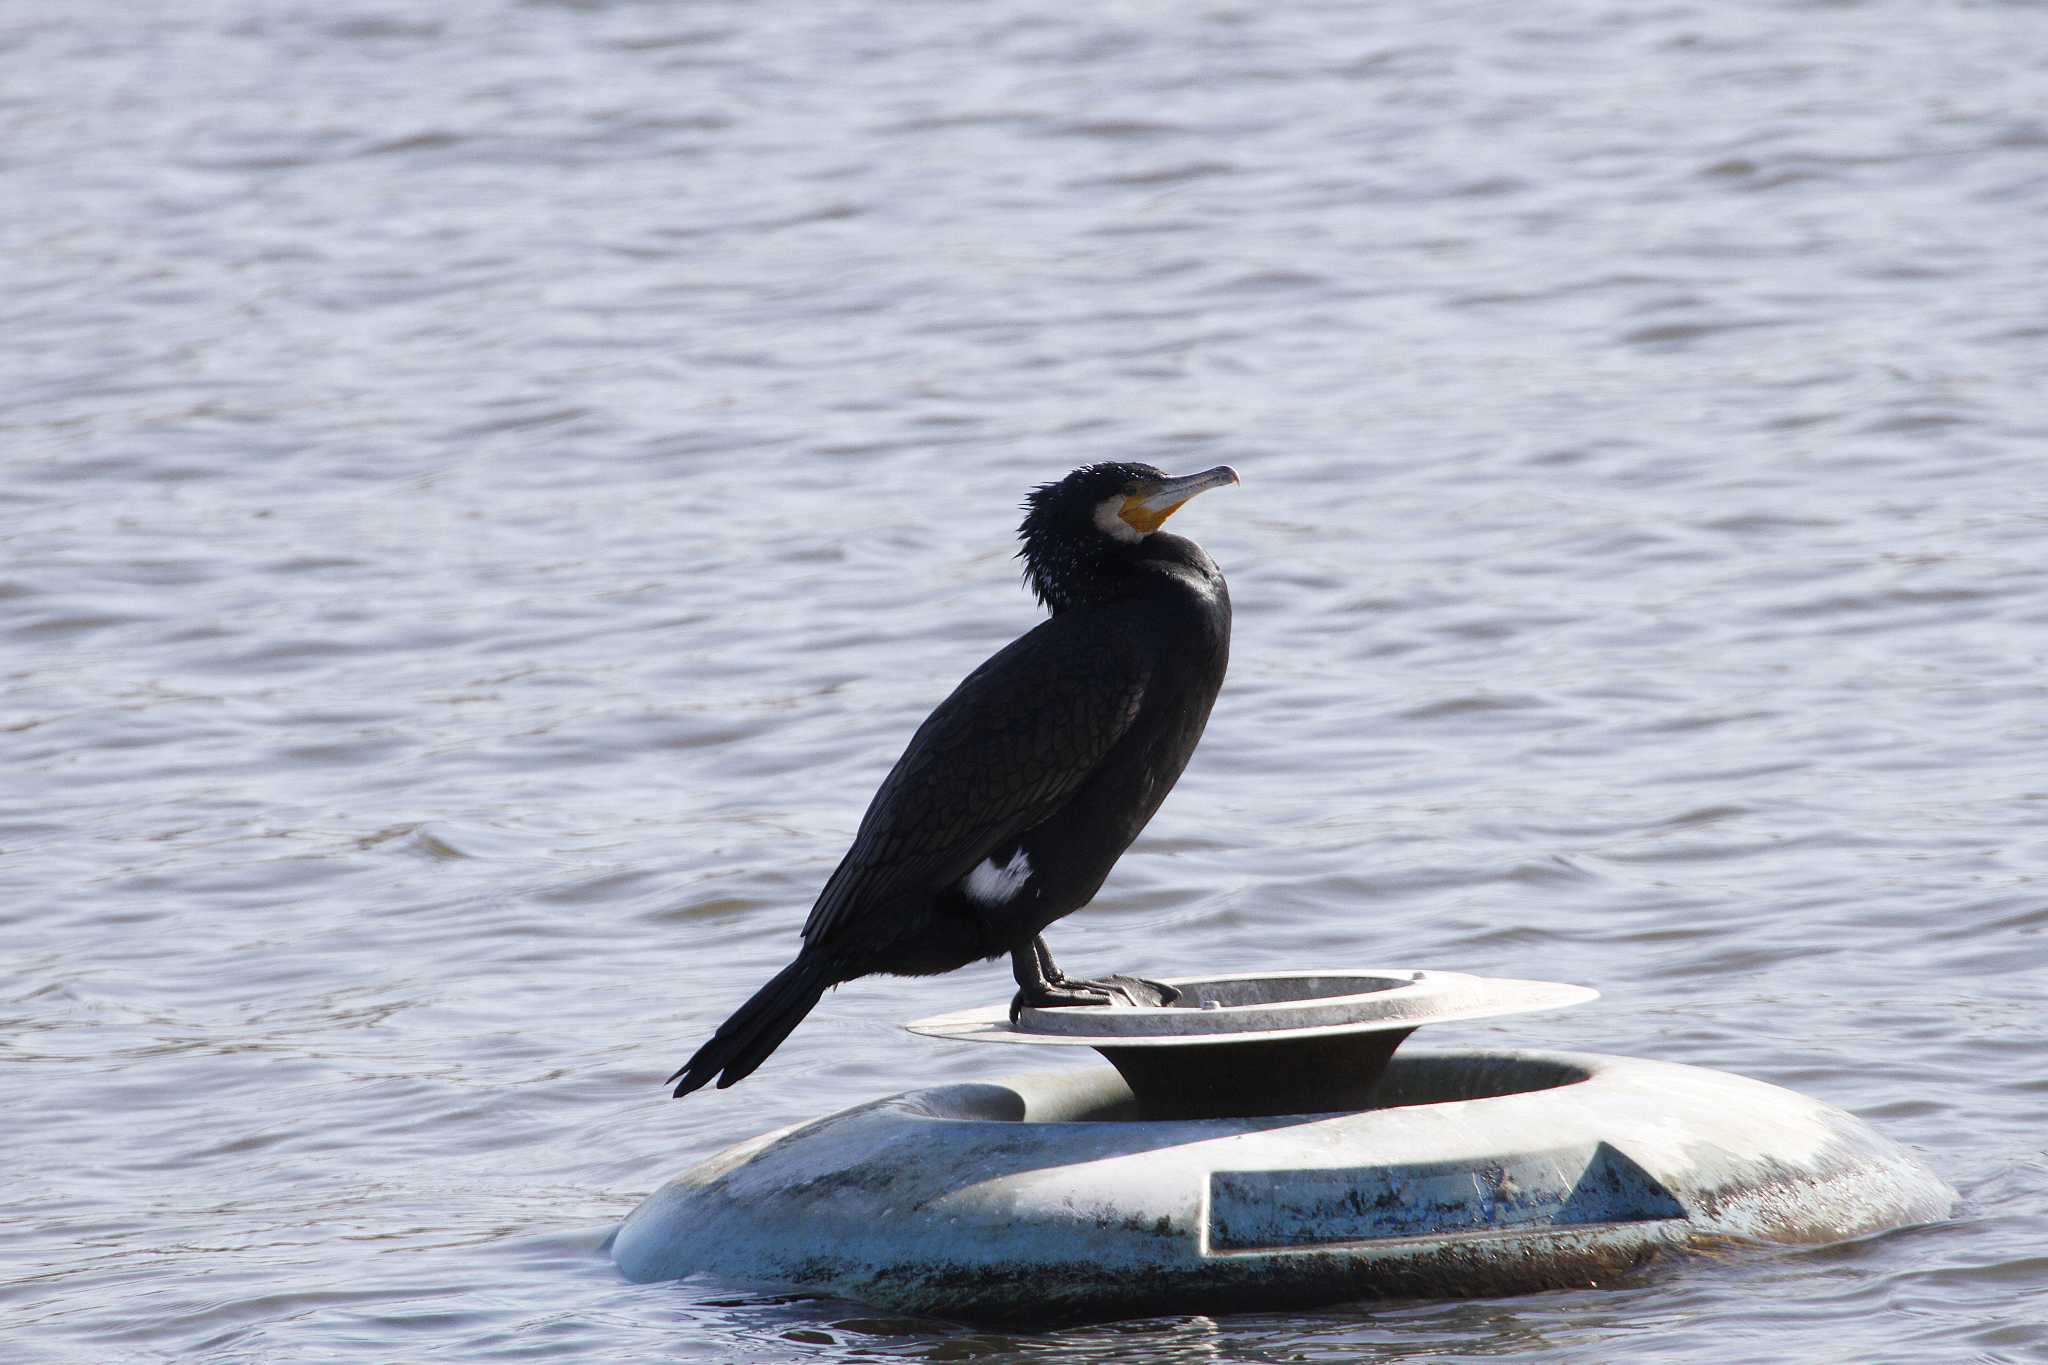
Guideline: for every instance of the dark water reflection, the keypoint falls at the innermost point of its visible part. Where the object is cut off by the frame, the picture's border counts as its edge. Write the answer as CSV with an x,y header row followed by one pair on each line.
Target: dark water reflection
x,y
490,490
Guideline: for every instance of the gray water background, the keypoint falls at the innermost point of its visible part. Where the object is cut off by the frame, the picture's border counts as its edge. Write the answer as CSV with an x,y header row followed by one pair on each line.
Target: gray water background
x,y
490,487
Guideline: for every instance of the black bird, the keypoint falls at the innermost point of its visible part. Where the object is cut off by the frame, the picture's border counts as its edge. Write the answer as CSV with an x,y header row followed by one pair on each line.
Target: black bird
x,y
1020,792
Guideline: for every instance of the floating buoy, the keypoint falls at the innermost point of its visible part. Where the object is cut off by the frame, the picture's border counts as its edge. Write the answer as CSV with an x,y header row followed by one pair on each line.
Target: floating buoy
x,y
1259,1145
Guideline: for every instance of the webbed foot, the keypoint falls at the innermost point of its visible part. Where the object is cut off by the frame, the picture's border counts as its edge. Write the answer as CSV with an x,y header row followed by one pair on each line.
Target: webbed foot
x,y
1042,985
1067,992
1059,994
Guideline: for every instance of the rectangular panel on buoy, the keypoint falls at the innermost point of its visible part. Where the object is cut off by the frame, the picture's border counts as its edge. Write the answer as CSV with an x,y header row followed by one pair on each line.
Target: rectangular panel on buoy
x,y
1566,1186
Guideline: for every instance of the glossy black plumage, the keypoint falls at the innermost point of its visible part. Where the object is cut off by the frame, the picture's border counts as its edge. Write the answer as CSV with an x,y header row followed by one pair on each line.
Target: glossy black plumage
x,y
1019,792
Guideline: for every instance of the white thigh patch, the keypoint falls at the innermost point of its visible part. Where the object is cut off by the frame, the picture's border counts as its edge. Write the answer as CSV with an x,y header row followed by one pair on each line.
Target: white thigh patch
x,y
992,885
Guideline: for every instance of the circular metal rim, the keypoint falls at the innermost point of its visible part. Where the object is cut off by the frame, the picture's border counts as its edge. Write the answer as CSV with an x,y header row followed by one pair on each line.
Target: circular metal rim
x,y
1430,998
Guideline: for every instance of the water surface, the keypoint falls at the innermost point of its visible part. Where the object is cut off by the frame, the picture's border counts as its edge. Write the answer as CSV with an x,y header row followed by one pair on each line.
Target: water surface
x,y
490,488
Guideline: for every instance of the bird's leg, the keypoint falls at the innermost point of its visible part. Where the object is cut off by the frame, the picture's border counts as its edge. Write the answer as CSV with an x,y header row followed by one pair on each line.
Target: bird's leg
x,y
1042,985
1048,970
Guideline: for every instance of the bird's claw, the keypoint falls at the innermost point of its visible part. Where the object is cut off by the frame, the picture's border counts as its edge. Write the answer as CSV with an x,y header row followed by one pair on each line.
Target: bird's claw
x,y
1060,994
1136,990
1065,992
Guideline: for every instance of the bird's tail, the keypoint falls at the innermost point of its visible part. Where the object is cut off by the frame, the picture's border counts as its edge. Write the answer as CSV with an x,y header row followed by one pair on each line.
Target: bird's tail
x,y
758,1027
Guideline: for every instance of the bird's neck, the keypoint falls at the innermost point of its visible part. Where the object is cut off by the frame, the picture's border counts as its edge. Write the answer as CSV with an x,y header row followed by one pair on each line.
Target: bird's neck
x,y
1098,571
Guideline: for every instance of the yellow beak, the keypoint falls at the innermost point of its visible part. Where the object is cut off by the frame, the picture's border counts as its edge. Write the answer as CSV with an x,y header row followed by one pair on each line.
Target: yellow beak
x,y
1146,510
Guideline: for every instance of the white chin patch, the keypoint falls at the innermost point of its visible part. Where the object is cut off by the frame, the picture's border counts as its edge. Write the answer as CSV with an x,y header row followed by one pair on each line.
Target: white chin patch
x,y
1110,524
992,885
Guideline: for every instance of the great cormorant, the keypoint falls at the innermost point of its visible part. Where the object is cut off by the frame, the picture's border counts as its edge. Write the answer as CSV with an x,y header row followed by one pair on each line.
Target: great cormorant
x,y
1020,792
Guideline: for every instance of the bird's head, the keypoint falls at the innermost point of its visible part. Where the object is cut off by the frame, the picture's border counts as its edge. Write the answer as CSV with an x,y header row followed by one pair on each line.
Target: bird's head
x,y
1074,527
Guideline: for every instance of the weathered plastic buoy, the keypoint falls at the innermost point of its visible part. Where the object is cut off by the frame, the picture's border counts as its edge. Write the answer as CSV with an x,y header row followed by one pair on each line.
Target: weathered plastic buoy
x,y
1155,1187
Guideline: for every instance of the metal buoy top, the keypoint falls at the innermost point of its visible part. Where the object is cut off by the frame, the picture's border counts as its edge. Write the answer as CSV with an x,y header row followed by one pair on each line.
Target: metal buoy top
x,y
1261,1043
1216,1009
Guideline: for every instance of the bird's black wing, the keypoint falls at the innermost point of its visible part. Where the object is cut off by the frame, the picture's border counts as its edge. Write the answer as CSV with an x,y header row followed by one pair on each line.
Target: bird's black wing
x,y
998,756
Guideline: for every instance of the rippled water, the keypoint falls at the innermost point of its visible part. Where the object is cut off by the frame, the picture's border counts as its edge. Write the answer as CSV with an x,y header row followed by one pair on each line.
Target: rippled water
x,y
490,487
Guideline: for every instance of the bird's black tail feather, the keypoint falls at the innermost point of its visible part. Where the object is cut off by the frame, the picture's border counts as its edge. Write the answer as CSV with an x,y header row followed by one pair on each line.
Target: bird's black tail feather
x,y
758,1027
